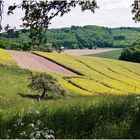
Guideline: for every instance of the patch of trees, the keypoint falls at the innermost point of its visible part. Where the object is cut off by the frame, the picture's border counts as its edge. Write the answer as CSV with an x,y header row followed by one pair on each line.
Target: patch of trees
x,y
13,44
131,54
120,37
76,38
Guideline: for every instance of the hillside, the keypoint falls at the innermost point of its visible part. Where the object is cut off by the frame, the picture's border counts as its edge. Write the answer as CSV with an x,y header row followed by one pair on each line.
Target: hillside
x,y
99,75
102,116
104,76
77,37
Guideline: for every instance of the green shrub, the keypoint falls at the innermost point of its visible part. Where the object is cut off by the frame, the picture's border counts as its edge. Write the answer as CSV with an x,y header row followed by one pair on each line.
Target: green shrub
x,y
131,54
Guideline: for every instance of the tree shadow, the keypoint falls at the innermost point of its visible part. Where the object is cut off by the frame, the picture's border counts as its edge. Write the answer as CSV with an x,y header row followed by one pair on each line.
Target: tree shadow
x,y
31,96
37,97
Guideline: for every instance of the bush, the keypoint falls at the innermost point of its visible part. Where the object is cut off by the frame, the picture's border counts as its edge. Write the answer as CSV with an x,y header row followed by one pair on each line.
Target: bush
x,y
131,54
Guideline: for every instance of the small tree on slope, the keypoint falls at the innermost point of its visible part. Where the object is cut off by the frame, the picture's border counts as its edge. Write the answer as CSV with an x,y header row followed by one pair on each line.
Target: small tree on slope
x,y
45,83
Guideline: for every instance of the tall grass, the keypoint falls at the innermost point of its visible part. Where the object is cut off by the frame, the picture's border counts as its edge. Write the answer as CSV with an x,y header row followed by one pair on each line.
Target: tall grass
x,y
72,117
83,117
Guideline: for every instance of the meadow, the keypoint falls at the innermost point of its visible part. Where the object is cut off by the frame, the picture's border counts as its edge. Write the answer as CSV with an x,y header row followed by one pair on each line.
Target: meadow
x,y
79,115
115,54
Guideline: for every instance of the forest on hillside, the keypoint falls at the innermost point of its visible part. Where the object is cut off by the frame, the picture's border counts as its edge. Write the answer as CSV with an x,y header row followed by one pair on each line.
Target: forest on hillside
x,y
75,37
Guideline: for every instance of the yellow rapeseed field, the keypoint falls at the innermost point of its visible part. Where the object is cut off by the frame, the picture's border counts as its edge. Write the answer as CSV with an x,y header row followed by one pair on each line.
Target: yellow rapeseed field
x,y
5,58
98,75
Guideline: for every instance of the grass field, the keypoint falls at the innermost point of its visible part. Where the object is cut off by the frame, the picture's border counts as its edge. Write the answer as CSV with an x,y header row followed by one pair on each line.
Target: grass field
x,y
99,75
72,117
111,54
76,116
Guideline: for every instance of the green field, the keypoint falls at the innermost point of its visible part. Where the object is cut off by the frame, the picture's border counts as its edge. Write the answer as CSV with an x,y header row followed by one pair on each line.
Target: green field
x,y
79,115
111,54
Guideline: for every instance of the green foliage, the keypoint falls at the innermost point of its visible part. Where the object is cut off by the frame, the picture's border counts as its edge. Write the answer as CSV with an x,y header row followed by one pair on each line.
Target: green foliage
x,y
79,38
46,83
131,54
46,48
136,10
125,36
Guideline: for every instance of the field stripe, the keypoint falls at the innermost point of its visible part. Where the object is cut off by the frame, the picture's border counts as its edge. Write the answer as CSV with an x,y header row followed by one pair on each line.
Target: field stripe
x,y
105,74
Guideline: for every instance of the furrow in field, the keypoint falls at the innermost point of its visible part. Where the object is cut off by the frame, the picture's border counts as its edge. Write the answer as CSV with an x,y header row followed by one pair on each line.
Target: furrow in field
x,y
95,80
69,61
104,71
132,67
72,88
115,68
93,86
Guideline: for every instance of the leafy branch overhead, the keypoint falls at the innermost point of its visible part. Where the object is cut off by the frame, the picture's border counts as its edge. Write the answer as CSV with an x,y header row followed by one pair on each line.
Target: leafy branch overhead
x,y
136,10
38,14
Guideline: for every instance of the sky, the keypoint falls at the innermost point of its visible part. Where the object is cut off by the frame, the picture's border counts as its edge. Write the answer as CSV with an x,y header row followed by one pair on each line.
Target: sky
x,y
111,13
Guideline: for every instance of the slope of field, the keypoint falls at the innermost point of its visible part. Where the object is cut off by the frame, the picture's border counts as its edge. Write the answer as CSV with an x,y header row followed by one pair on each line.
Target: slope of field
x,y
102,116
108,117
100,76
111,54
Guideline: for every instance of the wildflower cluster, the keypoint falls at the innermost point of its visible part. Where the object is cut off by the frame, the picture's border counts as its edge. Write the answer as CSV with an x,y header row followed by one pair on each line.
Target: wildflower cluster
x,y
31,127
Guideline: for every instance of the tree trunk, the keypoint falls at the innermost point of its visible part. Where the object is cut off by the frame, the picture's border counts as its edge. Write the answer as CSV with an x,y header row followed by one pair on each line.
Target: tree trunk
x,y
43,93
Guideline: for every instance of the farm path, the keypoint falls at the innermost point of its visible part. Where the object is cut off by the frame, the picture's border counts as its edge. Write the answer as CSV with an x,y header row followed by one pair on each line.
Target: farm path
x,y
78,52
31,61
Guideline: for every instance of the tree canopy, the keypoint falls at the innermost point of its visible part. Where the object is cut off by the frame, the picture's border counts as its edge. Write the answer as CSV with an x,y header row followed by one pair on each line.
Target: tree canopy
x,y
136,10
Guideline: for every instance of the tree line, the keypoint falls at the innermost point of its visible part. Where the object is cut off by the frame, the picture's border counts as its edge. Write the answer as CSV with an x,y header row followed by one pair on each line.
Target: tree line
x,y
75,37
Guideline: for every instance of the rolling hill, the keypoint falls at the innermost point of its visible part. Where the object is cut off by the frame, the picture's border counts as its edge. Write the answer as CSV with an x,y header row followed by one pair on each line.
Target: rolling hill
x,y
76,37
94,76
99,75
102,116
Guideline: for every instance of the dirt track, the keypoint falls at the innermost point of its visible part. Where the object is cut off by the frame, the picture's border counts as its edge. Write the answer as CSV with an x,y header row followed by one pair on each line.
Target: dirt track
x,y
30,61
78,52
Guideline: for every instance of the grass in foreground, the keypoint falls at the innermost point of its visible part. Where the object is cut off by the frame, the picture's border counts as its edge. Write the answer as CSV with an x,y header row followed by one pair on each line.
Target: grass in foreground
x,y
111,54
72,117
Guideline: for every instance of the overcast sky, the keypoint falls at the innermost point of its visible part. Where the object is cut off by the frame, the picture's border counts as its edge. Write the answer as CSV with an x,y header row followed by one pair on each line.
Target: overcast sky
x,y
112,13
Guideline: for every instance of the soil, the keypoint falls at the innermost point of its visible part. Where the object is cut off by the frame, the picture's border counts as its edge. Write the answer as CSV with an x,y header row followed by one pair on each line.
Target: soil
x,y
26,60
78,52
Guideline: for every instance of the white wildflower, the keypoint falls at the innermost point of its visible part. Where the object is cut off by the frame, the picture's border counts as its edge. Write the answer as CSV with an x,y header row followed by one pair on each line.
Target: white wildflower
x,y
31,125
23,133
38,122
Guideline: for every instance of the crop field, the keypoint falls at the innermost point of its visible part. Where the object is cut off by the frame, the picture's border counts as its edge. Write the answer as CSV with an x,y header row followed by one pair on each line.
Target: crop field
x,y
111,54
5,58
98,75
